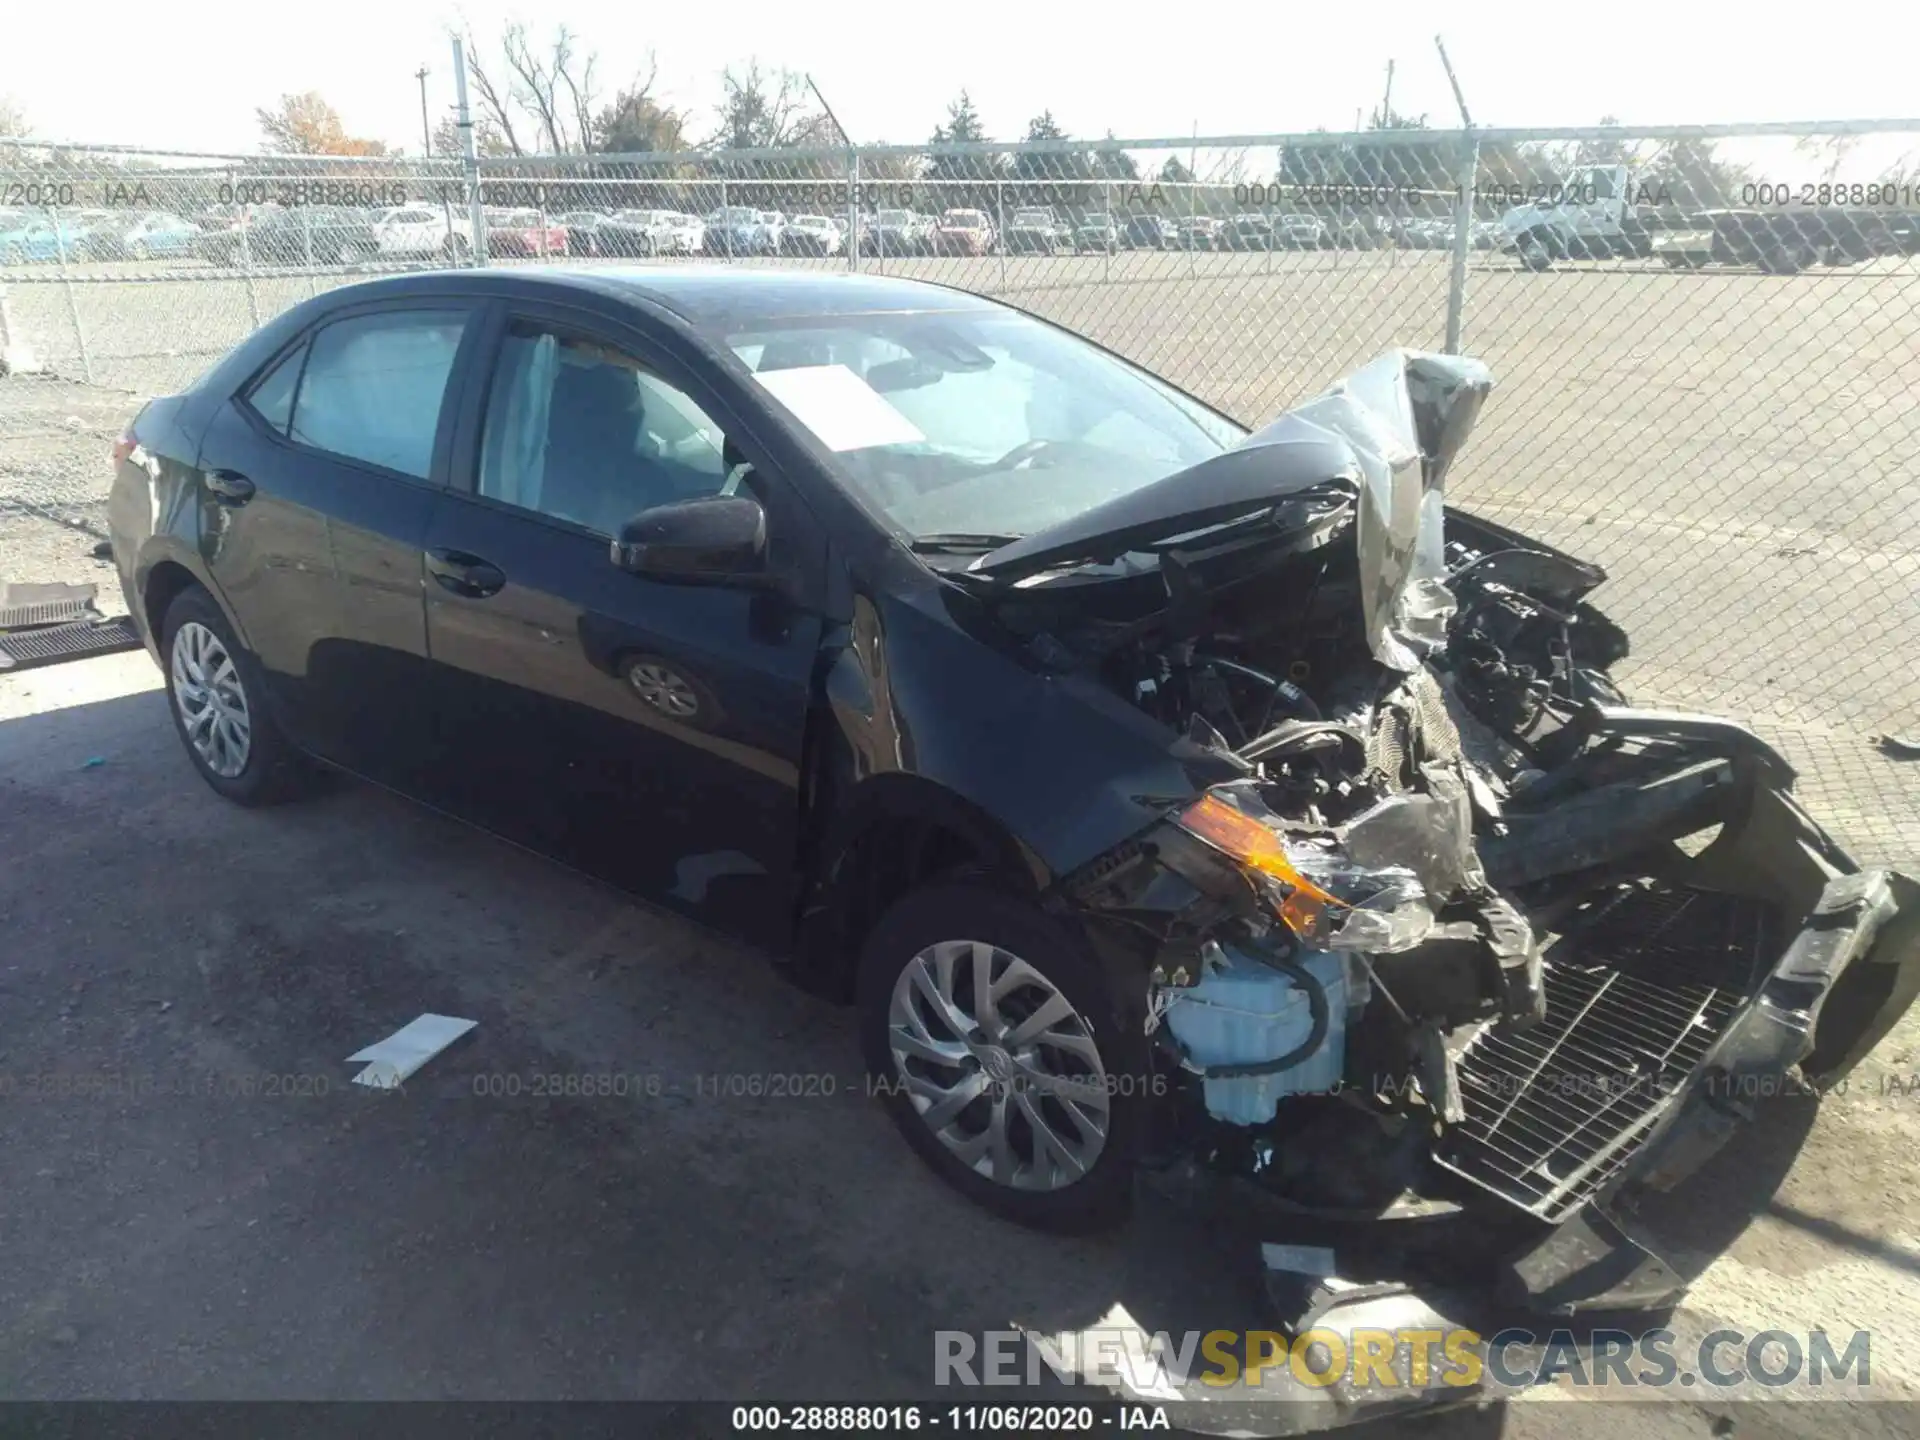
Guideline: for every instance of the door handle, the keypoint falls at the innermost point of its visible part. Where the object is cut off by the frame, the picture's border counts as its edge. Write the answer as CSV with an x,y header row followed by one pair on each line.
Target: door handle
x,y
465,574
229,487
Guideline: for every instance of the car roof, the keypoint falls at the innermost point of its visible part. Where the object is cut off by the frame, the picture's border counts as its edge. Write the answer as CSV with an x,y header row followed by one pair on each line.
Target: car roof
x,y
706,298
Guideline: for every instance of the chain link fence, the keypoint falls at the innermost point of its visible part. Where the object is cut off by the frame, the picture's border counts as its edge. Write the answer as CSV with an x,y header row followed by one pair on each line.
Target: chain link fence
x,y
1704,337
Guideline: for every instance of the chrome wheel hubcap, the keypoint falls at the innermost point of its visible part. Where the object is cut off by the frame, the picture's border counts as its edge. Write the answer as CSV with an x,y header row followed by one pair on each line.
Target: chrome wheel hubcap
x,y
664,690
211,701
999,1065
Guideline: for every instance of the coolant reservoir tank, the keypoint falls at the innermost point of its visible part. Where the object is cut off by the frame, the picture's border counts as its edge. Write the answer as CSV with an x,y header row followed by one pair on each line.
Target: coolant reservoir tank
x,y
1245,1012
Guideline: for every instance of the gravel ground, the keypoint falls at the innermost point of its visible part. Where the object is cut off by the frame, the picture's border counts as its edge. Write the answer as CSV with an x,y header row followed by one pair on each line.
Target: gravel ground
x,y
191,1243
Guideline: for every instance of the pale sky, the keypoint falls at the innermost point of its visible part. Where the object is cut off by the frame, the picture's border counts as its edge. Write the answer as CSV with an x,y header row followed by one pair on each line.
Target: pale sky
x,y
188,76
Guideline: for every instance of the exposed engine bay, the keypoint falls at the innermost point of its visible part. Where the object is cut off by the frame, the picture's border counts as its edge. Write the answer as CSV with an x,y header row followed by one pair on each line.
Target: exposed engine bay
x,y
1463,925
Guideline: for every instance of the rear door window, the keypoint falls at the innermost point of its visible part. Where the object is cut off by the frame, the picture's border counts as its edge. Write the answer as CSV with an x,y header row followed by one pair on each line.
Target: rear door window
x,y
372,388
272,396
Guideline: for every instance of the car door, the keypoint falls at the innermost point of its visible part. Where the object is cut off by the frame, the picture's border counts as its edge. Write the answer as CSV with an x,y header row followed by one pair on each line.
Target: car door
x,y
317,481
644,731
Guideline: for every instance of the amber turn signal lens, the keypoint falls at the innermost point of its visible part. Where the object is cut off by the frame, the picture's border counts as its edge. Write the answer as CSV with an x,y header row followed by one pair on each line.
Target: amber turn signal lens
x,y
1257,847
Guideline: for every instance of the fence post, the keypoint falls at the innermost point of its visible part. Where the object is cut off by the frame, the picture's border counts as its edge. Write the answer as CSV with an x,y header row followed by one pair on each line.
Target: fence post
x,y
246,254
66,283
726,220
1000,222
853,209
306,246
16,355
1462,240
1106,209
470,162
1193,216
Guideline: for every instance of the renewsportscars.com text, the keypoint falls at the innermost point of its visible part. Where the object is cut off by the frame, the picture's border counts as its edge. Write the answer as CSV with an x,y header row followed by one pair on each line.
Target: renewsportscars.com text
x,y
1410,1358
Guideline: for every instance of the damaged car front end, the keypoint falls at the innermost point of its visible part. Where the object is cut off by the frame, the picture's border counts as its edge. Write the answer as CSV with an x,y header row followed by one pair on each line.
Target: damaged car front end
x,y
1459,930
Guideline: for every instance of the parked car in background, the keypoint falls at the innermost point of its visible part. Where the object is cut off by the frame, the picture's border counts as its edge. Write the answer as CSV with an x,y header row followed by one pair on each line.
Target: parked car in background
x,y
1247,232
686,235
630,233
28,236
1097,234
273,235
811,235
733,230
1036,230
1352,231
1784,242
898,232
580,226
1199,232
963,232
142,235
1301,232
1149,232
422,232
523,235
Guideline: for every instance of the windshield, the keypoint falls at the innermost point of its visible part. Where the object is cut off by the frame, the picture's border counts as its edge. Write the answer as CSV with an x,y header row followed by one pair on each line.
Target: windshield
x,y
978,422
1033,217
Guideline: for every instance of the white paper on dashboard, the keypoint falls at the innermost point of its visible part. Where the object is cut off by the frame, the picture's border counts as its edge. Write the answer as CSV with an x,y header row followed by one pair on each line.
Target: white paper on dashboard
x,y
840,408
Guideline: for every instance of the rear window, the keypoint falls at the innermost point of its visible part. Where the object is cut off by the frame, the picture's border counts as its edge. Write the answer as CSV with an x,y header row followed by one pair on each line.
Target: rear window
x,y
272,397
370,388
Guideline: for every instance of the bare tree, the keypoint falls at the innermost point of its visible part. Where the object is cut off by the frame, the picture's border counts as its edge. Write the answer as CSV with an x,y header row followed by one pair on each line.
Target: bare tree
x,y
487,139
762,111
13,120
549,97
1830,152
554,86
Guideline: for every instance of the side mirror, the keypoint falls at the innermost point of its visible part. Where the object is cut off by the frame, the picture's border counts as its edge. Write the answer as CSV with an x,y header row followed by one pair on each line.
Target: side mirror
x,y
715,539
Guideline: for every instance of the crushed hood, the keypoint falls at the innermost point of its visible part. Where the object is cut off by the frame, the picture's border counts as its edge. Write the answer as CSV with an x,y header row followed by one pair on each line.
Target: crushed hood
x,y
1391,429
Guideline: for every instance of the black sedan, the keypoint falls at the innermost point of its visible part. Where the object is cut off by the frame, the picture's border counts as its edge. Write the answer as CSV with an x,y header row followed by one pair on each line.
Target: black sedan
x,y
1143,781
303,235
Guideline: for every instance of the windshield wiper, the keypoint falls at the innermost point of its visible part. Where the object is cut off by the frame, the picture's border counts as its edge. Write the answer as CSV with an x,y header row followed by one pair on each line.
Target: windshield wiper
x,y
958,542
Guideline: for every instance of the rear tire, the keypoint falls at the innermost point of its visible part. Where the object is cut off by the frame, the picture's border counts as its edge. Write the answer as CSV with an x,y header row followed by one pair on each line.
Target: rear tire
x,y
207,670
991,1148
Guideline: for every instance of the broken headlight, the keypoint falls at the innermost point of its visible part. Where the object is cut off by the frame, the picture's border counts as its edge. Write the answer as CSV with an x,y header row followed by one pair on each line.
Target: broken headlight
x,y
1324,896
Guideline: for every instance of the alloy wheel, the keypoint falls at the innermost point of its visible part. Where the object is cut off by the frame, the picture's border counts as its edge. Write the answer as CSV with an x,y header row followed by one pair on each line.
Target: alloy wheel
x,y
665,690
999,1065
211,700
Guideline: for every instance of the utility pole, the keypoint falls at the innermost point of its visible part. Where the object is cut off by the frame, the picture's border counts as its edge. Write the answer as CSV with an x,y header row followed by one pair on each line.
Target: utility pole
x,y
845,139
1463,207
477,242
853,178
426,129
1386,101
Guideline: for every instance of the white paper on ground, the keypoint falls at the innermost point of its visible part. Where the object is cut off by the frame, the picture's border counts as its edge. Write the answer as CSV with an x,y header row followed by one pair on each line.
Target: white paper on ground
x,y
390,1061
840,408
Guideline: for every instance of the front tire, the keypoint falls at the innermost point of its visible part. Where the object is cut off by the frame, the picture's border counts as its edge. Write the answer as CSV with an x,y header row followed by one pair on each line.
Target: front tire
x,y
215,691
1001,1055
